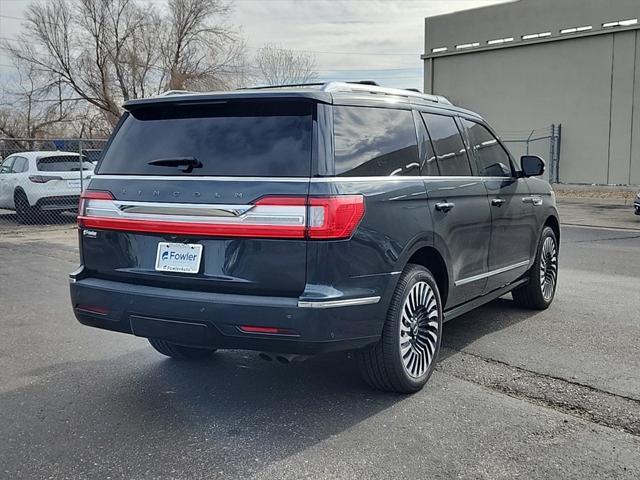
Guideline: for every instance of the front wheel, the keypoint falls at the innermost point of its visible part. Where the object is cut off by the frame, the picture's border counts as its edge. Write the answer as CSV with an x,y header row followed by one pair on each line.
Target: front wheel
x,y
24,211
539,292
404,358
181,352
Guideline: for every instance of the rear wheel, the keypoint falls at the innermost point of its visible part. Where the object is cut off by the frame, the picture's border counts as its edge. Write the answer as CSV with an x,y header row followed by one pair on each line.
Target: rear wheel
x,y
538,293
181,352
24,211
404,358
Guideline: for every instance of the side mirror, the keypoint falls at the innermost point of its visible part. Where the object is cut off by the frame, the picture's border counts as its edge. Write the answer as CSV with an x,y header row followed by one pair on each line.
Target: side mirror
x,y
532,165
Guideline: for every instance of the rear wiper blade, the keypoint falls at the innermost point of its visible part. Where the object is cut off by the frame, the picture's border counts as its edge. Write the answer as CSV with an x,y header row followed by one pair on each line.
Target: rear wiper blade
x,y
189,163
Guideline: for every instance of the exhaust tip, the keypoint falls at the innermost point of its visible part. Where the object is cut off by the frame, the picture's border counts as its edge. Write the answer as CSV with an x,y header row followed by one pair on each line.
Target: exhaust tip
x,y
283,360
265,356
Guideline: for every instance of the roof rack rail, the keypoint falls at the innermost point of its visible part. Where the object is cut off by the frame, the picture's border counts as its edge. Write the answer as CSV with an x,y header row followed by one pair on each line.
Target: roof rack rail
x,y
367,88
310,84
290,85
176,92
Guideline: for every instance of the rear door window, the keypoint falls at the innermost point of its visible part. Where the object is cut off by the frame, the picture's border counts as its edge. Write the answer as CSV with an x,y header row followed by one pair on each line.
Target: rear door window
x,y
491,157
20,165
374,142
450,152
257,138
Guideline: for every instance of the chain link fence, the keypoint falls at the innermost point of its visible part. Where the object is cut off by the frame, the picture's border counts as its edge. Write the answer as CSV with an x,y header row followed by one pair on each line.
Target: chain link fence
x,y
544,142
41,179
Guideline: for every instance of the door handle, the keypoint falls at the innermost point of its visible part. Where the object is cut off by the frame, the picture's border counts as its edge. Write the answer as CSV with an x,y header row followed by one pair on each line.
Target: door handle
x,y
497,202
536,201
444,206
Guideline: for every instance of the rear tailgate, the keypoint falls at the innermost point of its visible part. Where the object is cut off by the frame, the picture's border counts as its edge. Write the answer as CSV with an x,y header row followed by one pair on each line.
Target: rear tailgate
x,y
231,177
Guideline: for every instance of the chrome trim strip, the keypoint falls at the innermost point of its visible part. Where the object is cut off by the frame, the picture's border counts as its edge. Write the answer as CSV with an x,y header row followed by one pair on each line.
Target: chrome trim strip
x,y
189,209
293,179
475,278
203,178
338,303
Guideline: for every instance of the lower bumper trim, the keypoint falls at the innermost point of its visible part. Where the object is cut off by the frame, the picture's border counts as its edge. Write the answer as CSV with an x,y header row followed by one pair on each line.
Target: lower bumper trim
x,y
338,303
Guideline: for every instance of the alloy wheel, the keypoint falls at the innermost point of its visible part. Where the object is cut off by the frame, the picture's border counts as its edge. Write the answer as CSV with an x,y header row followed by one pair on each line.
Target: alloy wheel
x,y
548,268
419,329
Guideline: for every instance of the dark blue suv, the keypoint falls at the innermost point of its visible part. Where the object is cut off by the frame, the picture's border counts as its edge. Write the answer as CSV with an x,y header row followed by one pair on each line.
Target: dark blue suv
x,y
308,219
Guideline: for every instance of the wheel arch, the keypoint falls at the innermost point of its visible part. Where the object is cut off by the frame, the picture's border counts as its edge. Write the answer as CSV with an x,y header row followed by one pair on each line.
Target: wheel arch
x,y
19,190
430,258
553,222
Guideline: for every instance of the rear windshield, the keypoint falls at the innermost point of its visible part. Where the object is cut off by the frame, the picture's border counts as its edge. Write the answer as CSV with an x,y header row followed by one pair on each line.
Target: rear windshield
x,y
225,139
61,163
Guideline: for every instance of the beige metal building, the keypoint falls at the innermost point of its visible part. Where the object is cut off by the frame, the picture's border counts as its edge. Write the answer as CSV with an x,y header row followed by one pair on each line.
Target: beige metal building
x,y
528,64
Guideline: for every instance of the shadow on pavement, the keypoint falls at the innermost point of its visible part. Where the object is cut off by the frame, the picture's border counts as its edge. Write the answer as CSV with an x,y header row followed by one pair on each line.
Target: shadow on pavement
x,y
139,405
493,317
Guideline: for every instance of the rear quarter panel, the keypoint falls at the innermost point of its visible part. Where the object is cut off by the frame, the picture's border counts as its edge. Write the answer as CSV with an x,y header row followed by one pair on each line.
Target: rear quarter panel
x,y
370,262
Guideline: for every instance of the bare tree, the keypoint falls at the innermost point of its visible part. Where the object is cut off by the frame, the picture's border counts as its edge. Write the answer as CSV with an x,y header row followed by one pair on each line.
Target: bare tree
x,y
276,65
34,106
110,51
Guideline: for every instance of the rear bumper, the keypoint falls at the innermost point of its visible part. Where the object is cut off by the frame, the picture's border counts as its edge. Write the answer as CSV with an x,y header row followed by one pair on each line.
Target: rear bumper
x,y
59,202
212,319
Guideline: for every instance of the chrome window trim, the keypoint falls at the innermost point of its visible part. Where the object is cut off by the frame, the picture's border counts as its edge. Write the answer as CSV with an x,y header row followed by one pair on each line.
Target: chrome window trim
x,y
202,178
498,271
337,303
298,179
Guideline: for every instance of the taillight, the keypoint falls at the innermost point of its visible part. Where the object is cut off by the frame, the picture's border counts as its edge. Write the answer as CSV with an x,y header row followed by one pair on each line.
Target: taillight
x,y
90,203
334,217
43,178
331,217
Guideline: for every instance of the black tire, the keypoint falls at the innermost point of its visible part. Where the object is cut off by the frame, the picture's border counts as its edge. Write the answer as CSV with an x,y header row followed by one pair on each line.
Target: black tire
x,y
181,352
535,294
24,212
383,364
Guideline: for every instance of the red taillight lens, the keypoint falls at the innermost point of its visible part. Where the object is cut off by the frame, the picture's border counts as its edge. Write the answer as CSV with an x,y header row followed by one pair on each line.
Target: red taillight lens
x,y
334,217
268,330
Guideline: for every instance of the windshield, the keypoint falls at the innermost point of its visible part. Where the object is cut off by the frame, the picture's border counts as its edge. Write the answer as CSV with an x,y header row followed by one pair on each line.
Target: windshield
x,y
223,139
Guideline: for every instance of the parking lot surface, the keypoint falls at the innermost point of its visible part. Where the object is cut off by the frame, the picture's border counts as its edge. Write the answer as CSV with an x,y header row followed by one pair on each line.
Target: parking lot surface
x,y
517,394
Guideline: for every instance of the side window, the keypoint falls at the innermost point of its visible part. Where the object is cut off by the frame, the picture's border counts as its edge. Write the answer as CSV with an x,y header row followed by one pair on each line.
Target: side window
x,y
447,142
6,165
374,142
20,165
428,163
491,158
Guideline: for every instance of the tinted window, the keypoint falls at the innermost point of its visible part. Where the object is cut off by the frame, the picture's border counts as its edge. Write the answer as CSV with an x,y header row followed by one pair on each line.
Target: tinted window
x,y
374,142
234,138
62,163
491,158
448,144
6,165
428,163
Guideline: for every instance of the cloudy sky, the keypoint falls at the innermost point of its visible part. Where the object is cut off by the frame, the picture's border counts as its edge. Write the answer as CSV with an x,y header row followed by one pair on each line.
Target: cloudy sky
x,y
351,39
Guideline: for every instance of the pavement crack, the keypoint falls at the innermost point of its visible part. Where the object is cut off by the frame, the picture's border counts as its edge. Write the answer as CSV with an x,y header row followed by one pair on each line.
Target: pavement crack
x,y
572,398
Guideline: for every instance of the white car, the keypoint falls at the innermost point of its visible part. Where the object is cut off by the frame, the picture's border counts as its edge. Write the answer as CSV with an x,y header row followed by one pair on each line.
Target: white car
x,y
34,182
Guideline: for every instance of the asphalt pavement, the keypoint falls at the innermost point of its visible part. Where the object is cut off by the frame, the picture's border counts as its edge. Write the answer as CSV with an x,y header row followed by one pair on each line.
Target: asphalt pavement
x,y
517,394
